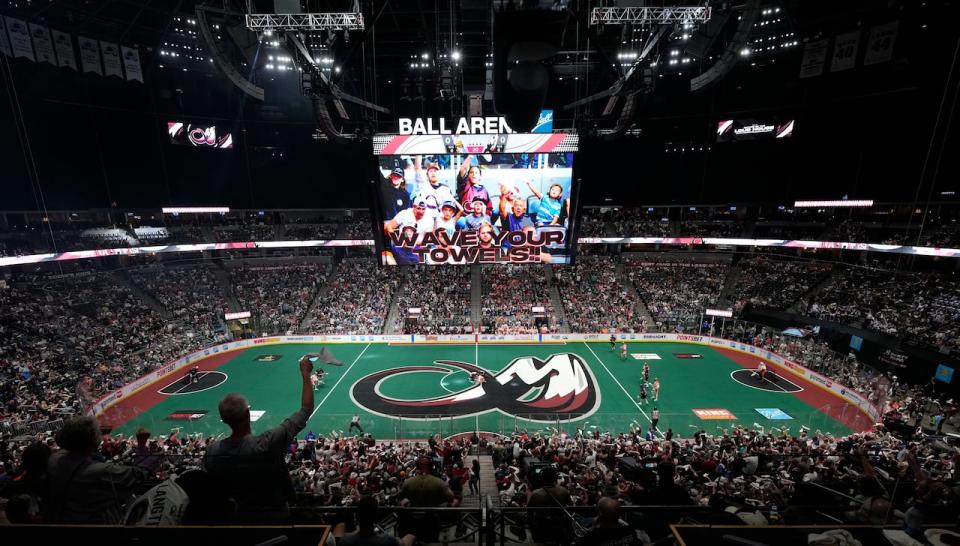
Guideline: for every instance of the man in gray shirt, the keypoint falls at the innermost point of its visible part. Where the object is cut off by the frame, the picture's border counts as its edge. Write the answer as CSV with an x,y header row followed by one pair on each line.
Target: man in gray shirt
x,y
252,468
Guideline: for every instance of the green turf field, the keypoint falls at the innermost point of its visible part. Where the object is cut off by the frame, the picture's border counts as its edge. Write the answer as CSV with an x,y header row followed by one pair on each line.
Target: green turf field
x,y
271,384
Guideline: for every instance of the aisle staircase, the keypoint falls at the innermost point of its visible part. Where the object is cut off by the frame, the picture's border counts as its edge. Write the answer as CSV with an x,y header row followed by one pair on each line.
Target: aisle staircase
x,y
642,311
317,298
122,277
558,312
476,294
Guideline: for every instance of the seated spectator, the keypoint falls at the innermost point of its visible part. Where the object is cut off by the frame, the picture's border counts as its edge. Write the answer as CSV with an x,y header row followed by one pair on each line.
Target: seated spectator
x,y
368,534
84,490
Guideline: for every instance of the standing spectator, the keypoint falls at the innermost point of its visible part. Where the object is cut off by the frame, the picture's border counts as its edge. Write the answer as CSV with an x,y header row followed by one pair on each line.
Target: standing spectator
x,y
252,468
475,477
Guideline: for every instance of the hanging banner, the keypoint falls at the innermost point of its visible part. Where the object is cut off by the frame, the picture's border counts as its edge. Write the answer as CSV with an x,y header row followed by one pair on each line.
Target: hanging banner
x,y
89,55
880,43
845,51
131,63
43,44
814,55
64,45
4,41
111,59
20,38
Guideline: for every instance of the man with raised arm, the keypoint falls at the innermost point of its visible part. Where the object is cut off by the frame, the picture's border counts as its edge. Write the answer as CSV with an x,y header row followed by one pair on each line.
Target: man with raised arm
x,y
252,467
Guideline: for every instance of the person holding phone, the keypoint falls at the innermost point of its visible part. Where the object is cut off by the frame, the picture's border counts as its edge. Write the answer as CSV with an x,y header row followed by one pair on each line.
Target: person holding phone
x,y
251,467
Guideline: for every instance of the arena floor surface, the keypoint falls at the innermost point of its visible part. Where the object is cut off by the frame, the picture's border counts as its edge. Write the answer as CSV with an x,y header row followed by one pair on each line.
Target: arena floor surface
x,y
414,391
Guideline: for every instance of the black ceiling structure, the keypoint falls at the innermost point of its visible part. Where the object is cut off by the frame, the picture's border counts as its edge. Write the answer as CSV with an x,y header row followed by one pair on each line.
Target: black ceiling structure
x,y
881,131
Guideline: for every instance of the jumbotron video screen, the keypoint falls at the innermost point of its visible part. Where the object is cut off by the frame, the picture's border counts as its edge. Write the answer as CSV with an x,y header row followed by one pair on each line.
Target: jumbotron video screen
x,y
469,208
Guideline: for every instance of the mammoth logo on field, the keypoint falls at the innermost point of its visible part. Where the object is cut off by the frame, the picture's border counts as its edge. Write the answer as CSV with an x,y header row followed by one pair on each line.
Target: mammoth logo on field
x,y
527,387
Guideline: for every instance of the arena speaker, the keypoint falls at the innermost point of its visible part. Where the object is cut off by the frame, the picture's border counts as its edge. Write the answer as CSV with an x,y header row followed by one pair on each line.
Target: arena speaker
x,y
322,115
522,41
728,59
221,62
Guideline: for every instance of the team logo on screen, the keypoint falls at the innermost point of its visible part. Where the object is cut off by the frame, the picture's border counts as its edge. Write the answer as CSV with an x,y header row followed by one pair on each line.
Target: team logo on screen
x,y
561,387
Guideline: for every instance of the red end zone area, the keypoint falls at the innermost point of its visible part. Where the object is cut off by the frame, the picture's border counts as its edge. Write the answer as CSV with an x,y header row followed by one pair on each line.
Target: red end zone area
x,y
813,394
148,395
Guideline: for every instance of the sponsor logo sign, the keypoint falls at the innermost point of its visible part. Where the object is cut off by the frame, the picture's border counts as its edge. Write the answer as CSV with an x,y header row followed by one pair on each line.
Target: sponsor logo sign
x,y
645,356
684,337
714,414
774,414
255,415
187,415
268,358
687,355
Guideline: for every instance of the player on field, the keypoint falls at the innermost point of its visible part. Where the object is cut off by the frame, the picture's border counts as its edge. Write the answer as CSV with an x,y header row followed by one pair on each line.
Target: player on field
x,y
762,370
192,376
643,393
646,372
317,379
355,422
656,389
623,351
613,342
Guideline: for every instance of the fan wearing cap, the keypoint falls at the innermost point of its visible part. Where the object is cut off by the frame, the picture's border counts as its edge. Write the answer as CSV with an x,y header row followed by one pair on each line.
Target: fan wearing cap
x,y
478,214
431,189
469,186
418,217
449,214
393,194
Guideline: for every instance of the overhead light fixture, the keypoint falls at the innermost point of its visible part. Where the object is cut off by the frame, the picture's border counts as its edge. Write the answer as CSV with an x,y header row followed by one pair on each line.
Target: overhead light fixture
x,y
194,210
841,203
455,55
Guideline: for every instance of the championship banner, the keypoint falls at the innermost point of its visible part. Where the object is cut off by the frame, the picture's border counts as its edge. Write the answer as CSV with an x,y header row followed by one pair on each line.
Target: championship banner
x,y
64,44
20,38
814,57
4,41
845,51
111,59
89,55
43,44
131,63
503,143
880,44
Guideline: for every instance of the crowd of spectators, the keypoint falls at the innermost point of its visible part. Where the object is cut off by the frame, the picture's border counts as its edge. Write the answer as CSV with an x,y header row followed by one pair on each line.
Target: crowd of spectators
x,y
920,307
191,294
356,300
246,232
510,292
676,293
310,232
715,228
442,294
277,295
777,283
788,231
595,299
54,332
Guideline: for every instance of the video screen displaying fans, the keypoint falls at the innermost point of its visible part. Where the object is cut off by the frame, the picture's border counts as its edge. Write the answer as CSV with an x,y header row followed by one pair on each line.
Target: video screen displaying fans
x,y
199,135
475,208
